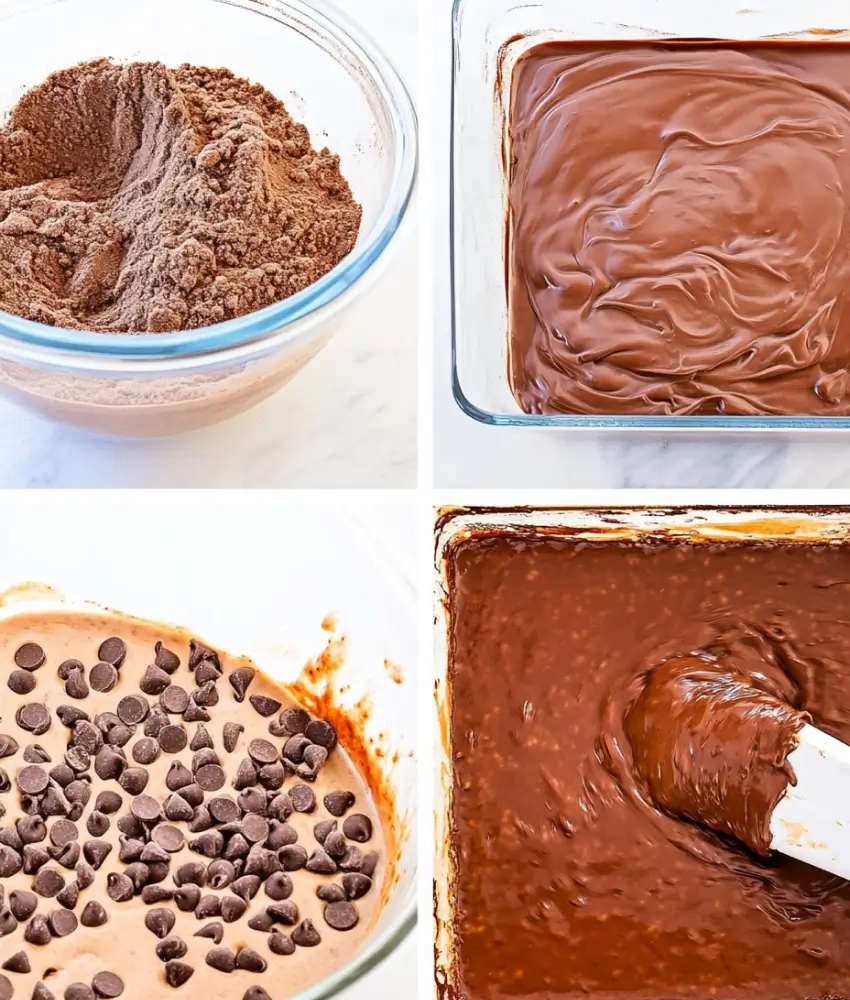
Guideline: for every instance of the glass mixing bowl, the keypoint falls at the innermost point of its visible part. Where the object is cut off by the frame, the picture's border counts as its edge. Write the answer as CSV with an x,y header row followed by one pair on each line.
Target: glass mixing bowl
x,y
334,79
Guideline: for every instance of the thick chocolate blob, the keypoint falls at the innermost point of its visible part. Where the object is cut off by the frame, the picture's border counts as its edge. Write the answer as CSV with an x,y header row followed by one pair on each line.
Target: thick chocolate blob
x,y
710,747
678,229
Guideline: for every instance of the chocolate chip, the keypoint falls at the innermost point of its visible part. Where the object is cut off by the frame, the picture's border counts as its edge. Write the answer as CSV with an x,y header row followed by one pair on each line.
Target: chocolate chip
x,y
9,837
68,667
202,739
6,784
211,777
262,751
278,886
34,859
261,922
341,916
280,807
204,756
272,776
8,746
76,686
134,780
107,984
213,931
221,874
250,961
296,720
201,820
264,705
109,764
305,934
32,779
196,712
280,943
37,930
31,829
177,809
315,757
338,802
97,824
120,735
224,809
174,699
173,739
255,828
221,959
146,750
231,733
30,656
178,973
23,904
8,922
87,735
198,653
170,948
154,680
78,759
96,852
321,863
62,923
103,677
209,844
21,682
119,888
327,826
33,717
187,897
131,846
321,732
191,872
206,695
193,794
280,835
169,838
93,915
233,909
132,709
156,894
112,650
331,893
246,775
145,808
85,875
166,659
246,887
358,827
160,921
62,832
19,962
240,681
237,847
336,845
79,991
293,857
262,862
294,748
154,854
303,799
256,993
277,728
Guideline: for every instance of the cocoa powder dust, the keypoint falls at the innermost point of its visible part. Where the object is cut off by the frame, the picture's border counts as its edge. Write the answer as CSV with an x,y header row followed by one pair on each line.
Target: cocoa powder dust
x,y
140,199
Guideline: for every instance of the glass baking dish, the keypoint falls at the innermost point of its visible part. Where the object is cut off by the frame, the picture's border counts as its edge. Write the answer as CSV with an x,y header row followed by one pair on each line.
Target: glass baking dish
x,y
488,38
699,526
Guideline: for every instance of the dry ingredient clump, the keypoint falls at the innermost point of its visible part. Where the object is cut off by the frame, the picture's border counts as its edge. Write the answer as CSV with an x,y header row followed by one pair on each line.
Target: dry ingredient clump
x,y
139,199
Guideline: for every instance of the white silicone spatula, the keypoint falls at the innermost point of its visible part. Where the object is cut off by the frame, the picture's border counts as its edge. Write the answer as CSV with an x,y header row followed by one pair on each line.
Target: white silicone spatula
x,y
812,820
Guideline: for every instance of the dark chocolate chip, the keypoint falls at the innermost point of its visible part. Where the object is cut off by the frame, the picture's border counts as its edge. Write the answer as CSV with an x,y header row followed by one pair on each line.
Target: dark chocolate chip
x,y
277,728
8,922
156,894
262,862
145,808
206,695
280,835
134,780
201,820
156,721
191,872
107,984
68,667
196,712
231,733
166,659
204,756
120,735
30,656
261,922
9,837
211,777
246,776
33,717
68,855
160,921
193,794
250,961
86,734
233,909
21,682
237,847
113,650
280,943
213,931
221,959
6,784
321,732
154,680
331,893
32,779
178,776
262,752
70,715
352,860
272,776
62,832
130,849
178,973
93,915
79,791
174,699
210,844
358,827
19,962
85,875
119,887
133,709
240,681
187,897
327,826
221,874
207,672
294,748
321,863
293,857
356,885
109,764
336,845
154,854
79,991
198,653
341,916
255,828
139,874
169,838
264,705
315,756
8,746
171,948
173,739
278,886
103,677
97,824
37,930
23,904
177,809
96,852
246,887
338,802
41,992
146,750
305,934
296,720
78,759
32,829
62,923
303,798
280,807
202,739
76,686
224,809
256,993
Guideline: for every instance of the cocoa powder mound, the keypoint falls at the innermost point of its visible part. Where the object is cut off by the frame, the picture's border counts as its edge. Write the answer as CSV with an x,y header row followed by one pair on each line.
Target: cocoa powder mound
x,y
139,199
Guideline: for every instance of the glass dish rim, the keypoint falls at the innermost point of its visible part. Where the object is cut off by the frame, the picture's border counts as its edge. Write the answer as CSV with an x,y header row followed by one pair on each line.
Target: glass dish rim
x,y
582,421
281,316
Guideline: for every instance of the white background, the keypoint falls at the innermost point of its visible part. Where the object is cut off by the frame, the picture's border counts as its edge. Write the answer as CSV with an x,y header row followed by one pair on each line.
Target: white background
x,y
348,419
469,454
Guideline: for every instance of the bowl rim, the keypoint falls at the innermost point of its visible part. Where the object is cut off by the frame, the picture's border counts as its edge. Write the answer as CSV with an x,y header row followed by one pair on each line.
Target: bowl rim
x,y
280,319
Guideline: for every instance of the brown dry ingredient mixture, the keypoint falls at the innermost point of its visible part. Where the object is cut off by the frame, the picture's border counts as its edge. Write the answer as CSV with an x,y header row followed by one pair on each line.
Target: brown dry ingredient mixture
x,y
135,198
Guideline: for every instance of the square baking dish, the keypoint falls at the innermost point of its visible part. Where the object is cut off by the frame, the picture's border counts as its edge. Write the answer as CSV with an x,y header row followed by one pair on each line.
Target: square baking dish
x,y
489,36
698,526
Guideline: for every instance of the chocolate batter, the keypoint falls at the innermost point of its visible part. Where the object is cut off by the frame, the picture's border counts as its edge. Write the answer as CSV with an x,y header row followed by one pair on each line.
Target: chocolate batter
x,y
678,229
572,879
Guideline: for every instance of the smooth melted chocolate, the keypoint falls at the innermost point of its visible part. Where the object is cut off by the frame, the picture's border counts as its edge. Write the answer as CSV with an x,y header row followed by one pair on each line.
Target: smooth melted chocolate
x,y
572,880
679,223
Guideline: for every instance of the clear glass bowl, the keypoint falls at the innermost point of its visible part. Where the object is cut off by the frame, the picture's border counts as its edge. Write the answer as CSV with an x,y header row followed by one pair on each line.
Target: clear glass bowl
x,y
325,559
335,80
489,37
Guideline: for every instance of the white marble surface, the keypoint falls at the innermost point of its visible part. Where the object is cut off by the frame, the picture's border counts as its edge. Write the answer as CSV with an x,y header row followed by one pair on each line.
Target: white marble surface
x,y
348,419
469,454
